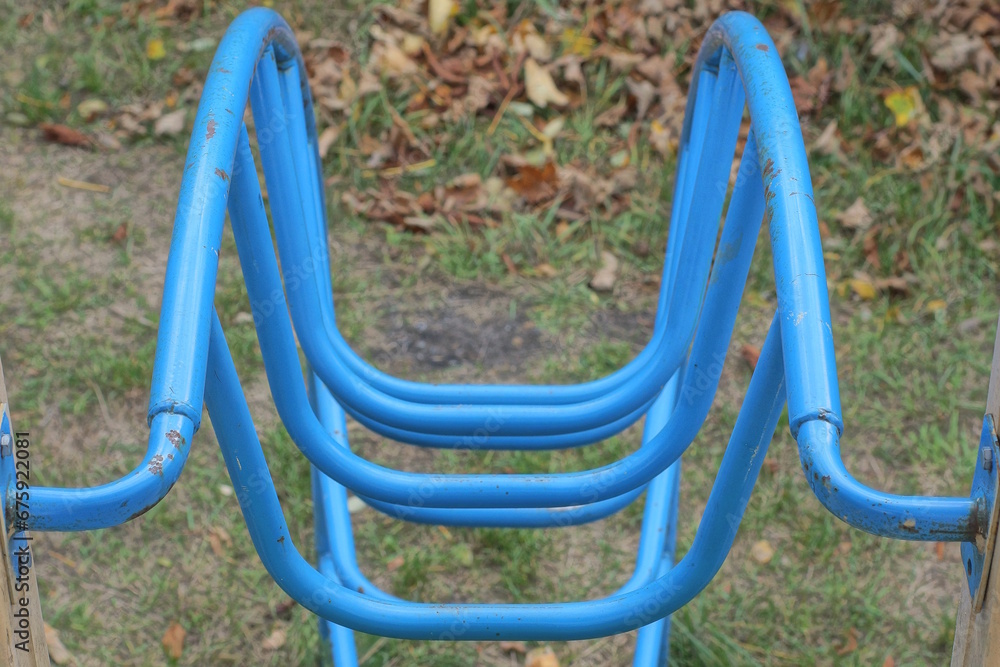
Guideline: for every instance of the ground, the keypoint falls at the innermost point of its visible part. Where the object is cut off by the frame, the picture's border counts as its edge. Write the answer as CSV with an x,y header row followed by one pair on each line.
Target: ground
x,y
498,292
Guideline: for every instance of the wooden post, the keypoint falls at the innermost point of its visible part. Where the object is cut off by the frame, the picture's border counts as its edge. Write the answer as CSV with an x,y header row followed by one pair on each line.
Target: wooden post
x,y
977,635
22,630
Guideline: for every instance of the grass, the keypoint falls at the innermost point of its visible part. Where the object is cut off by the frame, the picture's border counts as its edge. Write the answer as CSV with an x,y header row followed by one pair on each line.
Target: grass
x,y
913,372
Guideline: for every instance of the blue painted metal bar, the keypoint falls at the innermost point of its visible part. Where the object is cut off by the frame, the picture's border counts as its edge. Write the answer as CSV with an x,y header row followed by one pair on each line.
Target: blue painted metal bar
x,y
564,621
335,541
698,305
281,364
114,503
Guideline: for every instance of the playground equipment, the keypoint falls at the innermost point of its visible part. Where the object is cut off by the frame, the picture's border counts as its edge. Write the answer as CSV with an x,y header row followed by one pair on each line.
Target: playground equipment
x,y
671,382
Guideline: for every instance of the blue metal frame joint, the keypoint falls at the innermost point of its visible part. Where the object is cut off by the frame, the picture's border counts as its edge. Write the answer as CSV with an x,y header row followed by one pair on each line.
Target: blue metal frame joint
x,y
977,555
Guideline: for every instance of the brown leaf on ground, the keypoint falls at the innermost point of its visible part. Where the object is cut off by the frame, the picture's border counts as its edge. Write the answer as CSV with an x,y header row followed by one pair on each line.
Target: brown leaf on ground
x,y
543,656
606,276
61,134
171,123
644,94
58,653
828,142
275,640
120,234
856,216
850,642
950,52
173,640
812,91
326,139
535,184
750,354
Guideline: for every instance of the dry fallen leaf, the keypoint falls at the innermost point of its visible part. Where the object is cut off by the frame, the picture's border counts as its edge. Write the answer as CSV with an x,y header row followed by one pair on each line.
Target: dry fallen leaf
x,y
57,652
121,233
326,139
173,640
535,184
546,270
171,123
762,552
604,279
750,354
274,641
850,643
543,656
857,216
540,87
61,134
863,288
439,15
91,109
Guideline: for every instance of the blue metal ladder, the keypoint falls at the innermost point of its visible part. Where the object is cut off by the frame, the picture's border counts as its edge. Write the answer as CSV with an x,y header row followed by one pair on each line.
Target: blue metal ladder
x,y
671,383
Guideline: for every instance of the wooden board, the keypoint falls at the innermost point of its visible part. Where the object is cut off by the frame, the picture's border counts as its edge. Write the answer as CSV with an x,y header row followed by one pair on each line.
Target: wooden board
x,y
22,629
977,635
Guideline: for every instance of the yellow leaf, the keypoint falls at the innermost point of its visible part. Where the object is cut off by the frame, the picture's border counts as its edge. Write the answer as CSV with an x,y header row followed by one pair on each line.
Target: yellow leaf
x,y
155,49
576,43
439,13
904,104
863,289
936,305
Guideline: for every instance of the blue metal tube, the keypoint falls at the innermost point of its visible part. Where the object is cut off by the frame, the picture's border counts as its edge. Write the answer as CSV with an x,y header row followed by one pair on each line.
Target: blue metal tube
x,y
341,640
69,509
800,277
281,363
564,621
538,517
360,399
283,166
338,558
889,515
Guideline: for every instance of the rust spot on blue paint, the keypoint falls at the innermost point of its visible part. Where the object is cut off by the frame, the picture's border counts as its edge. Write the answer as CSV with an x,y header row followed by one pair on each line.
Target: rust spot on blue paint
x,y
210,132
175,438
221,174
156,465
763,47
